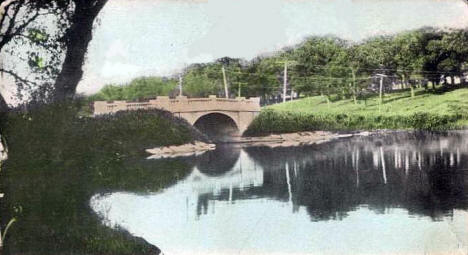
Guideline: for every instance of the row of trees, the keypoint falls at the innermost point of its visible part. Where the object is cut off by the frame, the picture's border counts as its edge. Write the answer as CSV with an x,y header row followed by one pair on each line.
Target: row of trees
x,y
138,88
328,65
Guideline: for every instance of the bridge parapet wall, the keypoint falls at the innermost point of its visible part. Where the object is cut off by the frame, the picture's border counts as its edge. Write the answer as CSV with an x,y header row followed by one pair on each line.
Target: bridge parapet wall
x,y
182,104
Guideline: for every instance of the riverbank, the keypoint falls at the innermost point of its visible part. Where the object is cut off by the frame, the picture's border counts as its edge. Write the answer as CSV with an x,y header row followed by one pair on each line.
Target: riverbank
x,y
292,139
425,111
272,141
57,161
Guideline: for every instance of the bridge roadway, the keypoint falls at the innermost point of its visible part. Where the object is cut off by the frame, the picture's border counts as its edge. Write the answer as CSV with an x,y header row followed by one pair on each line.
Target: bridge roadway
x,y
241,110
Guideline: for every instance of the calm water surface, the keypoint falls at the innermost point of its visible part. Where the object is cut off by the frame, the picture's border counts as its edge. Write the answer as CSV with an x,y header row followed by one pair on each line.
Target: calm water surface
x,y
402,193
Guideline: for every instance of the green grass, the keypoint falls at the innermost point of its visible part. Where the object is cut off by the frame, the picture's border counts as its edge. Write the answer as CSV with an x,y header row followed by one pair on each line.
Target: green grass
x,y
59,160
428,111
401,103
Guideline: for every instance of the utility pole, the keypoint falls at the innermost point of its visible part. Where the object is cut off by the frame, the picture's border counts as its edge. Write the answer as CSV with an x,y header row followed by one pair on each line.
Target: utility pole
x,y
240,88
285,80
285,76
180,85
225,82
354,85
381,89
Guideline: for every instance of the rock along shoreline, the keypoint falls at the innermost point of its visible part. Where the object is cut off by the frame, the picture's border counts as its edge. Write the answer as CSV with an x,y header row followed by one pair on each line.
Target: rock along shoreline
x,y
188,149
272,141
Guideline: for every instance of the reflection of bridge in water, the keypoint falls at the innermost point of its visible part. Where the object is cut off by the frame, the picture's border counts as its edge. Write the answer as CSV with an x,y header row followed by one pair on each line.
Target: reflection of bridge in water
x,y
208,114
425,174
243,175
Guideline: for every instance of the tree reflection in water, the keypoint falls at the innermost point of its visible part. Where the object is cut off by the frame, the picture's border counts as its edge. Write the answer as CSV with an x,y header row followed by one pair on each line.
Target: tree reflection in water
x,y
425,173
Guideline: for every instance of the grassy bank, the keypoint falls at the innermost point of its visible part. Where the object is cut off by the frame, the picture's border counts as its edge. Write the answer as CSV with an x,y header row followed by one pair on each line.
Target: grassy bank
x,y
427,111
58,160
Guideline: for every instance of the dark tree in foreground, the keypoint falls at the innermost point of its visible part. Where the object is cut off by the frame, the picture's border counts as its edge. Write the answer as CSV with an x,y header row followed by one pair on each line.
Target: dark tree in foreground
x,y
76,38
55,56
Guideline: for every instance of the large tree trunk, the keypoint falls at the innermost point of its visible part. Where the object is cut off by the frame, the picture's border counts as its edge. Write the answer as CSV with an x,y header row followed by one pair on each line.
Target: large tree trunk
x,y
77,39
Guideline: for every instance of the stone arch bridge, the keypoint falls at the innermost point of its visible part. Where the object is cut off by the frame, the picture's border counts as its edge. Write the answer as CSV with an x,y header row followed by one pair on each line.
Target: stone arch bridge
x,y
211,112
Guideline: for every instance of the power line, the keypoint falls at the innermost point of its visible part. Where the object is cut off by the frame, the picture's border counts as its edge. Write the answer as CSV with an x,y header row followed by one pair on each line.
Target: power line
x,y
295,77
375,69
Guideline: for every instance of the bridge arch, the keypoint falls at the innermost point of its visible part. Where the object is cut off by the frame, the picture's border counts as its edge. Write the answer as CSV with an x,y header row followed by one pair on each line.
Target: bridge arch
x,y
240,110
218,125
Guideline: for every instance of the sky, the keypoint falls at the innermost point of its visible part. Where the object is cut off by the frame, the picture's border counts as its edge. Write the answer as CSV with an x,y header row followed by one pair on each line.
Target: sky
x,y
159,37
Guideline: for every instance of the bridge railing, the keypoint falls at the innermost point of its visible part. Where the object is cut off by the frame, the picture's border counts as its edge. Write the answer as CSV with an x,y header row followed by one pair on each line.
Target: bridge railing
x,y
181,104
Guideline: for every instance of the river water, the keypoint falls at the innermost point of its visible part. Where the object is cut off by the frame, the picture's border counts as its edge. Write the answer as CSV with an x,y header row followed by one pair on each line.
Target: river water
x,y
393,193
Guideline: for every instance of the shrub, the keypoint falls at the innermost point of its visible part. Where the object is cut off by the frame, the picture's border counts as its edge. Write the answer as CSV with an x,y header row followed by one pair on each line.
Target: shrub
x,y
271,121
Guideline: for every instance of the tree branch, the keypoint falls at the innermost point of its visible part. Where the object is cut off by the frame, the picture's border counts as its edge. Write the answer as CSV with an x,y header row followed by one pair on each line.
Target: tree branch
x,y
10,34
11,25
12,21
17,77
4,7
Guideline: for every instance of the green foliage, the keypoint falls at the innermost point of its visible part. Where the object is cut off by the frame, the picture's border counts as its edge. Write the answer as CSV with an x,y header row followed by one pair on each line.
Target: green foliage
x,y
140,88
37,35
35,62
425,112
203,80
261,77
318,60
58,161
270,121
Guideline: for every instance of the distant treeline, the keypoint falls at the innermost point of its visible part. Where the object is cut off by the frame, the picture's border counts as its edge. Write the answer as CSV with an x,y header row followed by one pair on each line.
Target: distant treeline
x,y
137,89
320,65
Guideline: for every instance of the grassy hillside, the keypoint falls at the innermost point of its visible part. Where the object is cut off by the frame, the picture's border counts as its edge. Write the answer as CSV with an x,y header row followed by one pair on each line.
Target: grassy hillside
x,y
401,103
430,111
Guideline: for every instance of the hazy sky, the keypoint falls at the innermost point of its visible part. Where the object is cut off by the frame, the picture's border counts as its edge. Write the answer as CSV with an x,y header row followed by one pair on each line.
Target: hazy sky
x,y
159,37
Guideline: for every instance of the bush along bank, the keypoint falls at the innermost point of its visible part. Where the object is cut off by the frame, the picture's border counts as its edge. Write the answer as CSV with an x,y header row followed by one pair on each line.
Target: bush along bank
x,y
57,161
271,121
